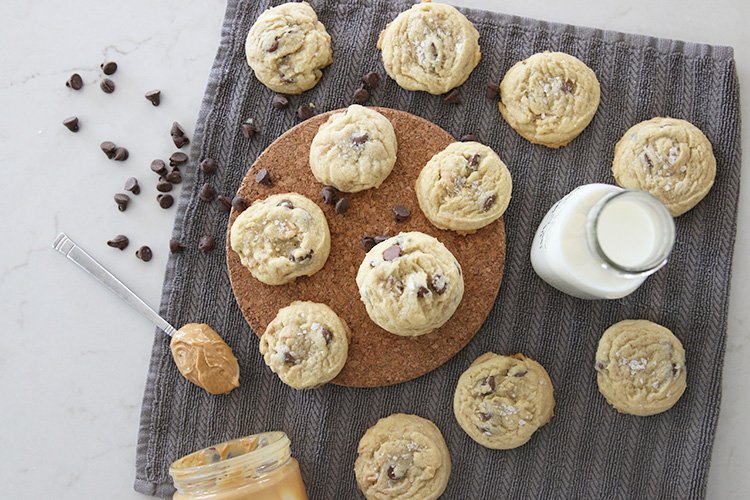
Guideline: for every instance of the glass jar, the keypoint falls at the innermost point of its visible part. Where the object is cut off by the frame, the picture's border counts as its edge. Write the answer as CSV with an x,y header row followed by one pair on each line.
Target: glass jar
x,y
260,467
602,242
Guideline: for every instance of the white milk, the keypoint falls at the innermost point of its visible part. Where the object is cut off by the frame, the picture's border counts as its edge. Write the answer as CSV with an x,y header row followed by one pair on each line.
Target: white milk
x,y
602,242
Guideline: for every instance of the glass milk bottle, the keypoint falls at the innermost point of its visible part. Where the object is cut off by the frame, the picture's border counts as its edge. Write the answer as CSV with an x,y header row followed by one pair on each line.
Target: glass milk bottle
x,y
602,242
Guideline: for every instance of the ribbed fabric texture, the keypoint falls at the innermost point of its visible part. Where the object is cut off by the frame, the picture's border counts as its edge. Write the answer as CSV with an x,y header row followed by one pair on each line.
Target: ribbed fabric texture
x,y
588,450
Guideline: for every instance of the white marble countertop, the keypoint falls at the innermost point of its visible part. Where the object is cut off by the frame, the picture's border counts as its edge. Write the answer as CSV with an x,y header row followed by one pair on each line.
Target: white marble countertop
x,y
73,359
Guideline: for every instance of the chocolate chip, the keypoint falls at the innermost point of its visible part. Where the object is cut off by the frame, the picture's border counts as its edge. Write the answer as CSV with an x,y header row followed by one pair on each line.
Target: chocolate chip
x,y
239,204
154,96
568,86
305,111
71,123
520,374
131,184
367,242
381,238
279,101
289,359
109,67
342,205
438,284
675,369
453,97
360,138
120,241
175,246
122,201
392,473
263,177
473,160
286,204
107,86
176,130
163,186
490,381
303,257
491,91
648,160
489,202
180,141
400,213
177,158
121,154
225,203
144,253
469,137
109,148
327,335
274,46
207,193
361,95
75,82
248,128
165,200
392,253
206,243
159,167
422,291
209,166
484,416
329,194
371,79
175,177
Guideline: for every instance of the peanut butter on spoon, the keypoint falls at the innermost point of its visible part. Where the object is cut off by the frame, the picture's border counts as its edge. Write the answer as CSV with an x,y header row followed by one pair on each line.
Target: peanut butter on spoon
x,y
205,359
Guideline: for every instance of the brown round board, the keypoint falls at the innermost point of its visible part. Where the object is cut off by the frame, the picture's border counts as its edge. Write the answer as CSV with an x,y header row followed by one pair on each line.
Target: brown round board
x,y
376,357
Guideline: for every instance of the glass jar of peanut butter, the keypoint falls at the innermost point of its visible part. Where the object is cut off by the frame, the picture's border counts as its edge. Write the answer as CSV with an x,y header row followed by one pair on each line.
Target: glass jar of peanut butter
x,y
260,467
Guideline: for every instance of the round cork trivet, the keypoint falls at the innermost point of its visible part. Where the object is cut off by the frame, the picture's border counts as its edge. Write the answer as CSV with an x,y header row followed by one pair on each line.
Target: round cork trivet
x,y
376,357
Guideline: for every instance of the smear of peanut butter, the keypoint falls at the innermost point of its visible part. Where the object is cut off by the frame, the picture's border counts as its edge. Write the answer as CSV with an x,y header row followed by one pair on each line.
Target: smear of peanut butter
x,y
205,359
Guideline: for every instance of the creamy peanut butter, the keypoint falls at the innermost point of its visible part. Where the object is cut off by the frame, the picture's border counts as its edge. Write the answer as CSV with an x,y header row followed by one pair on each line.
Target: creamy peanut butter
x,y
205,359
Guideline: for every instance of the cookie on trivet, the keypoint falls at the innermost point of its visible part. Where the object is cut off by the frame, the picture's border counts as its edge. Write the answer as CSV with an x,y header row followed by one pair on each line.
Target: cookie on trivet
x,y
430,47
281,237
402,457
640,367
549,98
288,48
306,344
464,187
501,401
354,150
670,158
410,284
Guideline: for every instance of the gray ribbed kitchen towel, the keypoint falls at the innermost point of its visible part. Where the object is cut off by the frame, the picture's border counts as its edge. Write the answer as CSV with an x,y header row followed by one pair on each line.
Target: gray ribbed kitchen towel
x,y
588,450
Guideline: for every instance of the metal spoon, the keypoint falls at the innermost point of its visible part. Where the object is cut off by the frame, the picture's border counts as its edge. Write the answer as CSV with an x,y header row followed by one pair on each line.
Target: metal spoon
x,y
78,255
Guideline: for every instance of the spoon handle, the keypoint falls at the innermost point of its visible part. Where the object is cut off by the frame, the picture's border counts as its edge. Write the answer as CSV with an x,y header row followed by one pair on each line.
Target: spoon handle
x,y
78,255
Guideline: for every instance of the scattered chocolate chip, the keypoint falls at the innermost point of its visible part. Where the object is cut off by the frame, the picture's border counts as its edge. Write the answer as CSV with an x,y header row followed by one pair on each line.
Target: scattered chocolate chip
x,y
360,138
599,366
400,213
279,101
367,242
177,158
453,97
165,200
329,194
520,373
121,154
109,67
469,137
71,123
109,148
473,161
122,201
371,79
342,205
159,167
207,193
239,204
180,141
392,473
492,91
120,241
568,86
381,238
225,202
206,243
438,284
392,253
131,184
361,95
163,186
327,335
484,416
175,177
153,96
422,291
107,86
490,381
176,246
489,202
248,128
263,177
289,359
209,166
144,253
305,111
274,46
75,82
177,130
